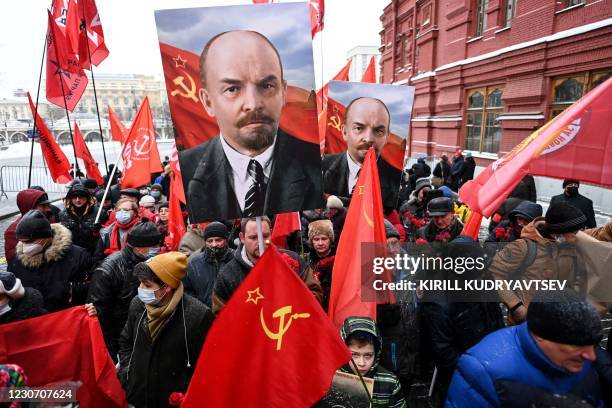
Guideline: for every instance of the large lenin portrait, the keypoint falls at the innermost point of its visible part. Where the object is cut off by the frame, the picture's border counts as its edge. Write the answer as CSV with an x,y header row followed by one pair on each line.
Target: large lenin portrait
x,y
240,85
360,116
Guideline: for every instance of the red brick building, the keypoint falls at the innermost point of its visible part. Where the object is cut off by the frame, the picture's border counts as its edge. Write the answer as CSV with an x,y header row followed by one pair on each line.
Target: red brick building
x,y
489,72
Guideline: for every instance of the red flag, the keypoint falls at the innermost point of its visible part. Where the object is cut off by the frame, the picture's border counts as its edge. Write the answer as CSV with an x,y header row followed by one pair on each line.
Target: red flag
x,y
575,144
56,160
285,224
176,222
71,343
317,11
342,75
193,124
91,35
177,180
136,152
83,153
369,74
64,77
364,223
293,349
118,129
155,164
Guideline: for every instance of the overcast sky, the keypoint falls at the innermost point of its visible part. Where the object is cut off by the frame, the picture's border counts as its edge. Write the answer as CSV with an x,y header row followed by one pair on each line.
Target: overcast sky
x,y
397,98
131,36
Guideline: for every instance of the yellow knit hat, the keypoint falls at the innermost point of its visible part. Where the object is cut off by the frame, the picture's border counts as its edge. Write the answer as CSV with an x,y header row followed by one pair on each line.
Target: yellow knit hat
x,y
170,267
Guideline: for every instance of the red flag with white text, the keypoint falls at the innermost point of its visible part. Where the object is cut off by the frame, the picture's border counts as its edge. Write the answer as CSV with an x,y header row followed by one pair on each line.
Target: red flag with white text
x,y
56,160
136,152
83,153
577,144
91,35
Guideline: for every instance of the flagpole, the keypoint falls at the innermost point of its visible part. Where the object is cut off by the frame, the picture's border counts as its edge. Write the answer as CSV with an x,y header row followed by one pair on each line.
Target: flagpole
x,y
76,162
42,63
322,79
365,387
108,185
259,235
93,81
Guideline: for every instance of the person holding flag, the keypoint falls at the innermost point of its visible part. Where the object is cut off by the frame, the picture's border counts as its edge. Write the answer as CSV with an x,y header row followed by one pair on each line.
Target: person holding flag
x,y
246,257
79,216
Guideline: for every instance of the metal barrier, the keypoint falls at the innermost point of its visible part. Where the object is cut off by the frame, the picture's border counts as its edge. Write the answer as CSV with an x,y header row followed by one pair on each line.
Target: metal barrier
x,y
14,179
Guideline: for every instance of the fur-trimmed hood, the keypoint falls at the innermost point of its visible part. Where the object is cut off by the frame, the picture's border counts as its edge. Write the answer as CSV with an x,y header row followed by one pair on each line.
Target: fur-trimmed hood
x,y
62,240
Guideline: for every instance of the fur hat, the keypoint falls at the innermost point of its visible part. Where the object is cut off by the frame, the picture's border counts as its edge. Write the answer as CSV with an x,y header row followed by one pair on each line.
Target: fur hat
x,y
320,227
170,267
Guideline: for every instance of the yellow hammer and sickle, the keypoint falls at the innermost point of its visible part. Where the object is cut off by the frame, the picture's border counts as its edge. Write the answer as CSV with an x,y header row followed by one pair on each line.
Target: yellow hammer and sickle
x,y
367,217
282,327
335,123
190,92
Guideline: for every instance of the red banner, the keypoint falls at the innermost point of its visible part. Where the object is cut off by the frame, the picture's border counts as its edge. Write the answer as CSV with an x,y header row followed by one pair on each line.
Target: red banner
x,y
574,145
364,223
177,181
285,224
56,160
64,347
369,75
64,77
118,129
273,338
83,153
317,12
193,124
91,35
176,223
136,152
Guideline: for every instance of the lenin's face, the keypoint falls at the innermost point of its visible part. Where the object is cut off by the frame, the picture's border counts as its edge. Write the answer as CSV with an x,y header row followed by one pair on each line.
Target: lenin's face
x,y
367,124
244,90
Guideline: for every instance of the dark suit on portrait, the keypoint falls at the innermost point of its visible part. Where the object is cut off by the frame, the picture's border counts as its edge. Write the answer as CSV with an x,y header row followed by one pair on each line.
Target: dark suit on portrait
x,y
294,183
336,174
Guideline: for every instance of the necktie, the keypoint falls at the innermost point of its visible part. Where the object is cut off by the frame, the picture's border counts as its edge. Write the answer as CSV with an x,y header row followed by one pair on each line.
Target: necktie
x,y
254,199
356,180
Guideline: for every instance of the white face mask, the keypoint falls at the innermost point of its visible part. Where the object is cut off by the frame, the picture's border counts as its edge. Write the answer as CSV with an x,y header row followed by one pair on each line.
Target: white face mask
x,y
5,308
33,248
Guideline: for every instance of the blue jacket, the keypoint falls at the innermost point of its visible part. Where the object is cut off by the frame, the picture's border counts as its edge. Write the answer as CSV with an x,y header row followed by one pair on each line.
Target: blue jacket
x,y
507,368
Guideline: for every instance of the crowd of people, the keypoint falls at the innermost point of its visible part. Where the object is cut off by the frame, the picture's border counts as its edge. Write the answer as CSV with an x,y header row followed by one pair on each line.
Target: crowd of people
x,y
155,305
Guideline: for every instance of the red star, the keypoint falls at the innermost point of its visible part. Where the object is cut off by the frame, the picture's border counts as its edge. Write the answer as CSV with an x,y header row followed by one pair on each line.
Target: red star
x,y
180,62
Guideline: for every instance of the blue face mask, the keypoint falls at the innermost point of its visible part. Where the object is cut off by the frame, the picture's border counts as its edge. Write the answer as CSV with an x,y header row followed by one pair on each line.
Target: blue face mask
x,y
152,252
155,194
123,216
147,296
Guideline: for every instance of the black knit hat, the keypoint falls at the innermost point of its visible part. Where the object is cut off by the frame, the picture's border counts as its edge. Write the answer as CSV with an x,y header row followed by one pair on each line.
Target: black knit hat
x,y
564,317
144,234
526,209
562,218
390,230
440,206
569,181
132,192
78,190
215,229
33,225
90,183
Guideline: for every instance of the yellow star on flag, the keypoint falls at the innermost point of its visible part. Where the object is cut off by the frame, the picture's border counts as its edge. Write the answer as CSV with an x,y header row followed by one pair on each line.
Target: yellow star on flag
x,y
180,62
254,296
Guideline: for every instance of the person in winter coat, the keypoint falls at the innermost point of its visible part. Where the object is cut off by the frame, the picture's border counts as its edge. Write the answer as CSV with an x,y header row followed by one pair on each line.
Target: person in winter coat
x,y
444,225
510,230
469,167
193,239
156,193
16,302
246,256
503,211
398,321
322,254
336,213
29,199
525,189
545,362
545,250
205,263
79,216
441,172
114,286
48,261
113,237
413,211
457,169
166,328
451,324
572,197
365,344
162,219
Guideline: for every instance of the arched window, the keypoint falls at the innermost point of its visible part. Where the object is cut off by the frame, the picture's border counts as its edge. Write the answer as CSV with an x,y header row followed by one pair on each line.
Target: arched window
x,y
483,130
569,89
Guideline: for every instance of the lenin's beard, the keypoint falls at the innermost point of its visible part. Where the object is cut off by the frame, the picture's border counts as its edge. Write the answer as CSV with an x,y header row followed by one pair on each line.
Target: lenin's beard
x,y
259,137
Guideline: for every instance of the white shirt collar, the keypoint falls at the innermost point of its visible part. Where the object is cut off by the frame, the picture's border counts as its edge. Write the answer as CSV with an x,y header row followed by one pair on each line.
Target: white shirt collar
x,y
353,170
240,162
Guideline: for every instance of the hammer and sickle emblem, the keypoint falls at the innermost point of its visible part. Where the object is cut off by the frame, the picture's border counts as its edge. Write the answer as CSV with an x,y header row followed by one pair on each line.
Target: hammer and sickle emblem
x,y
282,325
145,146
366,216
334,121
189,91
